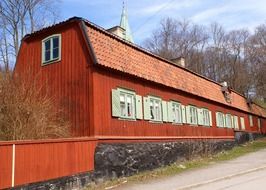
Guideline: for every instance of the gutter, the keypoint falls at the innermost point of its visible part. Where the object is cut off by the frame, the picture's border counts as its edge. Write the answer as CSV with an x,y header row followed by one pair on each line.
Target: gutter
x,y
88,42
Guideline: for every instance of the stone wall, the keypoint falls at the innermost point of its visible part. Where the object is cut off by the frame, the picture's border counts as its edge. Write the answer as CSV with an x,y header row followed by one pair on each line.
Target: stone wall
x,y
242,137
116,160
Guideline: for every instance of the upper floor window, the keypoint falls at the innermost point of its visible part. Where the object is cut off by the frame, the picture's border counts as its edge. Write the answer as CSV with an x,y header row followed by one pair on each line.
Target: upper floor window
x,y
51,49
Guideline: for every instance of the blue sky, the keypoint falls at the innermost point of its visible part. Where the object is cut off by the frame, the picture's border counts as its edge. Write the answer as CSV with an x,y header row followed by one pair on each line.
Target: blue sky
x,y
145,15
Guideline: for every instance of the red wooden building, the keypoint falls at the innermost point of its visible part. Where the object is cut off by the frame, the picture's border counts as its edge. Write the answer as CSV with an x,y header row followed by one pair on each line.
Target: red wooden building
x,y
113,89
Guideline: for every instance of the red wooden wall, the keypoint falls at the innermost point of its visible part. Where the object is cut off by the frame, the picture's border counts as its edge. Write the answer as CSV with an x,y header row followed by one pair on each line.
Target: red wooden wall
x,y
43,160
67,80
105,125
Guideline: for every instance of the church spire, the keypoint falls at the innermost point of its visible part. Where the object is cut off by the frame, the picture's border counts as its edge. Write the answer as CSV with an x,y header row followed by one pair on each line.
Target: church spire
x,y
124,24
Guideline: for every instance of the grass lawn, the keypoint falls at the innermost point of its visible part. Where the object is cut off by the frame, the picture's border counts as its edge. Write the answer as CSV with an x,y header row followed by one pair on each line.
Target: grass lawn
x,y
176,168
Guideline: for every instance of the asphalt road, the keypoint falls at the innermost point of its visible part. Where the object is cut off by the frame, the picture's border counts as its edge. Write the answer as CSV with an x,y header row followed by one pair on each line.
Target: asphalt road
x,y
246,172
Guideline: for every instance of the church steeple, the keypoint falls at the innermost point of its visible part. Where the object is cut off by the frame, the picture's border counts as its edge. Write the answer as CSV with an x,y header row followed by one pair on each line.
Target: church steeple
x,y
125,25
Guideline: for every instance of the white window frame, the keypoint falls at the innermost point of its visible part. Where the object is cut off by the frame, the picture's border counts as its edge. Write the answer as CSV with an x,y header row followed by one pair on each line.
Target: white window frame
x,y
193,115
52,58
128,95
228,120
242,123
220,119
205,117
250,118
157,113
236,124
177,112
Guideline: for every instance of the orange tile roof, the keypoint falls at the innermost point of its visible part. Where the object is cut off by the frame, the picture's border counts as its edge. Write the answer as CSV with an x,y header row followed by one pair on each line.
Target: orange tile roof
x,y
113,52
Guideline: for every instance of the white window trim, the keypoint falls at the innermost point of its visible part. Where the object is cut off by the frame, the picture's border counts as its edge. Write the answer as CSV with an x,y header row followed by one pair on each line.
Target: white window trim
x,y
160,106
133,94
180,122
242,123
250,118
194,107
228,120
208,117
43,50
219,119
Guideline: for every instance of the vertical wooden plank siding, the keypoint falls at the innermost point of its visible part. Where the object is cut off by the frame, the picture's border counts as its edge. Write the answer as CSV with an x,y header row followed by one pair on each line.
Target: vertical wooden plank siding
x,y
39,162
5,166
67,80
106,125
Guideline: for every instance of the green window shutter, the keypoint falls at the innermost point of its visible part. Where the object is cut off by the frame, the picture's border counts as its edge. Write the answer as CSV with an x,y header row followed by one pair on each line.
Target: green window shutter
x,y
188,114
200,116
210,118
139,112
170,111
116,103
217,119
146,103
164,108
183,114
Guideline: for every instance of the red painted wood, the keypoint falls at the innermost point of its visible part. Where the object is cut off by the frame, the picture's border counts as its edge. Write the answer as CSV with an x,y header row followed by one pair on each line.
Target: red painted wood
x,y
5,166
43,160
106,125
67,80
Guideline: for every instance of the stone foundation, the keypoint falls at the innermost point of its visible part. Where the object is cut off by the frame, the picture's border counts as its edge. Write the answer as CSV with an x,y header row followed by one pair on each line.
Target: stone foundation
x,y
116,160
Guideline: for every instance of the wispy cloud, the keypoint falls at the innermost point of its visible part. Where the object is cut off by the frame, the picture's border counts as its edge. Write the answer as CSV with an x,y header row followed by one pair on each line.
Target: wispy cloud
x,y
144,15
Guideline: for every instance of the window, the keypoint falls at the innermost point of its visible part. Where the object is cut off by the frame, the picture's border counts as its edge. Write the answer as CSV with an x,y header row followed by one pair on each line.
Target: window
x,y
236,126
250,120
155,109
126,104
228,121
192,115
177,112
205,117
220,119
259,123
51,49
242,123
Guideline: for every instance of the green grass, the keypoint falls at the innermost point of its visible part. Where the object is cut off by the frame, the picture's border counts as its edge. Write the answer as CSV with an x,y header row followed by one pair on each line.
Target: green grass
x,y
176,168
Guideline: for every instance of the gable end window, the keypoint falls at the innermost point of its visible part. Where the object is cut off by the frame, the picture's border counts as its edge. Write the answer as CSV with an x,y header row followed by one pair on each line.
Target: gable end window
x,y
51,49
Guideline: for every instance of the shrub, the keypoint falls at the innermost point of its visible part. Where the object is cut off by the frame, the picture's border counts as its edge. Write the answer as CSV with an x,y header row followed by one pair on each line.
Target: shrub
x,y
28,112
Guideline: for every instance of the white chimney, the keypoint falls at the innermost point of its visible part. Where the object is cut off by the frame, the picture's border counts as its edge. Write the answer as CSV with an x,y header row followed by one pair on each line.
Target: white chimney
x,y
180,61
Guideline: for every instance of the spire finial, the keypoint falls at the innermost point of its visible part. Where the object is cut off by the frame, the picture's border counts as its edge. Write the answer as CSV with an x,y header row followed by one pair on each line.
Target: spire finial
x,y
124,23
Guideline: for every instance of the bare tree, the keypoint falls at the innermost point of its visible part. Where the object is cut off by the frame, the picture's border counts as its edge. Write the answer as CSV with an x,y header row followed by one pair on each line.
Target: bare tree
x,y
18,17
